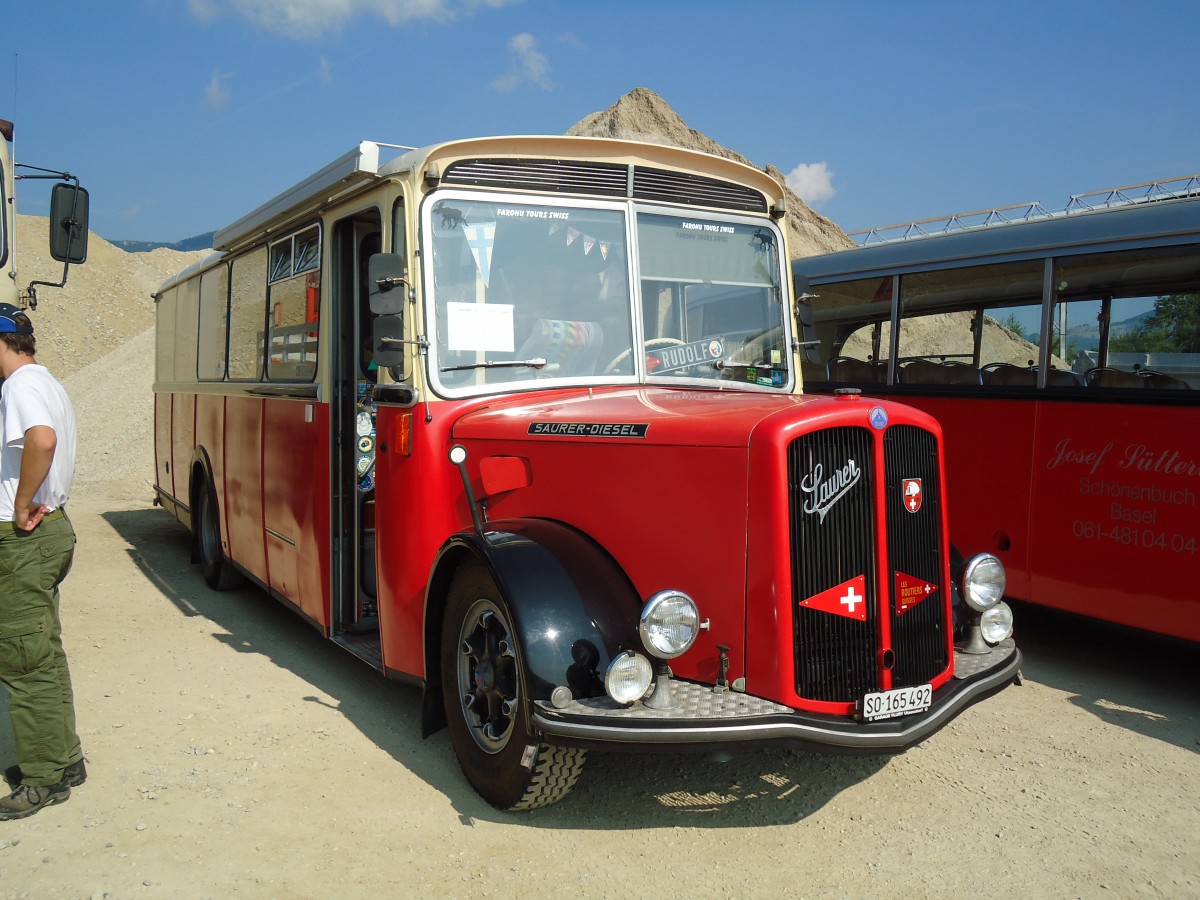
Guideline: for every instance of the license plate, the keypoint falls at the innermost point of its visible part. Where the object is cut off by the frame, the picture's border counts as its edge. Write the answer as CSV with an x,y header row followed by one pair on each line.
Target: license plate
x,y
898,702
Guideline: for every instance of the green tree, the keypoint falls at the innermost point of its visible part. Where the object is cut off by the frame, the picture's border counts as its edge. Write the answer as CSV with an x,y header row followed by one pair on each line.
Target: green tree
x,y
1173,327
1015,327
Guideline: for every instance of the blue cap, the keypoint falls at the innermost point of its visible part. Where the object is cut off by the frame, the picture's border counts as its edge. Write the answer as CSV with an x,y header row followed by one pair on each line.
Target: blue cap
x,y
14,320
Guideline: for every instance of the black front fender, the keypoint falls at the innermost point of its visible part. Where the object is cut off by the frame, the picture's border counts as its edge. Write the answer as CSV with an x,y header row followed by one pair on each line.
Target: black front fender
x,y
573,608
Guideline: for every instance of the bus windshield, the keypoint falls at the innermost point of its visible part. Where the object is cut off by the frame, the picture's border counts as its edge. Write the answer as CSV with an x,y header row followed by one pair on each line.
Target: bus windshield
x,y
528,291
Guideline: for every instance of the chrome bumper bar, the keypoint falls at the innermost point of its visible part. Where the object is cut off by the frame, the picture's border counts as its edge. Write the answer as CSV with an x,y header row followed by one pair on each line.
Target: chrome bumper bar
x,y
705,719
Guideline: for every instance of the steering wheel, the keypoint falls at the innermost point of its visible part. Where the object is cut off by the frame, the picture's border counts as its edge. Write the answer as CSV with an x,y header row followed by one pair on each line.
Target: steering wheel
x,y
650,344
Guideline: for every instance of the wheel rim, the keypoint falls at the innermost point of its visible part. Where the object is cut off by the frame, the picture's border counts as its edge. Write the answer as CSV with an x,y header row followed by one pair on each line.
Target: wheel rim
x,y
488,680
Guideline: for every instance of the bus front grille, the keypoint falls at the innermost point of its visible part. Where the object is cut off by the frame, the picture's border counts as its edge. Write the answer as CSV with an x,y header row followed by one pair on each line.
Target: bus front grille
x,y
832,485
605,180
554,175
915,553
694,190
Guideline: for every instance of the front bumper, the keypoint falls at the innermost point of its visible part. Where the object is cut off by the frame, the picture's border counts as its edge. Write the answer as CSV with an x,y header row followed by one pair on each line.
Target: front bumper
x,y
705,720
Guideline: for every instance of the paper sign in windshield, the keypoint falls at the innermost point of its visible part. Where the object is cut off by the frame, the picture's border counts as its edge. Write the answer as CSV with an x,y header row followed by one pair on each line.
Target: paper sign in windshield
x,y
480,327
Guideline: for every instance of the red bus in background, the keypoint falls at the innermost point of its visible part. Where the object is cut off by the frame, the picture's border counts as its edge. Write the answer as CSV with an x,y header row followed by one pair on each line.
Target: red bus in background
x,y
519,420
1061,355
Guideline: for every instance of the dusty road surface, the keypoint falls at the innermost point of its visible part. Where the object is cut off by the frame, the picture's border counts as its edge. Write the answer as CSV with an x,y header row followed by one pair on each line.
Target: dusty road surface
x,y
234,753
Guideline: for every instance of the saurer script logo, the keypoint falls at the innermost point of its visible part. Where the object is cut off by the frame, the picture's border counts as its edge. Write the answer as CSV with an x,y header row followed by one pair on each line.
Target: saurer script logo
x,y
822,492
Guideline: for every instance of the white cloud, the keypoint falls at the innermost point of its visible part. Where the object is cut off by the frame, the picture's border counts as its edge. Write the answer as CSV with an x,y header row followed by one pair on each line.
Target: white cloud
x,y
325,71
529,65
216,95
203,10
132,212
813,182
311,18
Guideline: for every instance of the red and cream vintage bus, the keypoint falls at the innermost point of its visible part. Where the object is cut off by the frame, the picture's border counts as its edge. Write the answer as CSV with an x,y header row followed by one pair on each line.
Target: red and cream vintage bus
x,y
519,420
1061,355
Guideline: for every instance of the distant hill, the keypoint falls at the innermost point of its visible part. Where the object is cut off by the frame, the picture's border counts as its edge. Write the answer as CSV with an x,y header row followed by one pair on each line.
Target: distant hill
x,y
1087,337
642,115
199,242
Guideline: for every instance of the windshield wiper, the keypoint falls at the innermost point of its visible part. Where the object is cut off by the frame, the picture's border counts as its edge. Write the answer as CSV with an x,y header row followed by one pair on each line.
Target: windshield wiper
x,y
536,363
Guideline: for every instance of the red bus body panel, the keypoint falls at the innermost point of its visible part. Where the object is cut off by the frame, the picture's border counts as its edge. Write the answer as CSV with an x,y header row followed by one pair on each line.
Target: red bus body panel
x,y
296,491
243,484
710,515
1083,522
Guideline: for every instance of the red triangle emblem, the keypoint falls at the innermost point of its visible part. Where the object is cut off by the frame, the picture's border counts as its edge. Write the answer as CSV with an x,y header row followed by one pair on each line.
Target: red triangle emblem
x,y
910,591
848,599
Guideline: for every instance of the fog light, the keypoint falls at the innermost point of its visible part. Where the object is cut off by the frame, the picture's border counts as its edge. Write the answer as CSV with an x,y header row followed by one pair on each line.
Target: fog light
x,y
996,623
628,677
669,624
983,581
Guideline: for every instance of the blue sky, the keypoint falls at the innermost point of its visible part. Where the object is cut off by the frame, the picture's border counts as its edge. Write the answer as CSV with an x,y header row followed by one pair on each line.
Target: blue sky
x,y
180,115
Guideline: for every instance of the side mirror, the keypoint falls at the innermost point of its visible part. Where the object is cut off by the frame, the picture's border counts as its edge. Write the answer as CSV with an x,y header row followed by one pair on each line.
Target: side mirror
x,y
387,343
387,288
68,223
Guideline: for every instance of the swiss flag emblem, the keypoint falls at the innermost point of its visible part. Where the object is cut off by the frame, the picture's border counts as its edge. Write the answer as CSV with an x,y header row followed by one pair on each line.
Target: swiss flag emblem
x,y
910,591
848,599
913,493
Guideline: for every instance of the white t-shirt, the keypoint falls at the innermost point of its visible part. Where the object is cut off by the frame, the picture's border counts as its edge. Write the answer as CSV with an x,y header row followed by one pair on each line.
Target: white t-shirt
x,y
32,396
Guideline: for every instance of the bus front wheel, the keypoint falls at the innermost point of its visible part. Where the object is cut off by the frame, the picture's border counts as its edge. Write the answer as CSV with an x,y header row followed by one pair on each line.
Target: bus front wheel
x,y
485,703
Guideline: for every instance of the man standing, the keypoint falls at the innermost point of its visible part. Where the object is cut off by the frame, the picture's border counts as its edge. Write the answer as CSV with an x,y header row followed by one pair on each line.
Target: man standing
x,y
37,543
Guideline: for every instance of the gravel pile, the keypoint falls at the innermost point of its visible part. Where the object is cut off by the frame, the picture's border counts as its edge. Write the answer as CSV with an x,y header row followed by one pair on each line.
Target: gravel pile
x,y
97,336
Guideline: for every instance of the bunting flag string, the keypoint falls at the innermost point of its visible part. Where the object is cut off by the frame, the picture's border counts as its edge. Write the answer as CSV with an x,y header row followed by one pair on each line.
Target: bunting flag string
x,y
589,243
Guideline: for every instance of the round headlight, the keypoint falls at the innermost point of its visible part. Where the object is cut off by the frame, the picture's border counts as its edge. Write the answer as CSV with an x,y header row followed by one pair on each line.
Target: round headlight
x,y
983,582
628,677
996,624
669,624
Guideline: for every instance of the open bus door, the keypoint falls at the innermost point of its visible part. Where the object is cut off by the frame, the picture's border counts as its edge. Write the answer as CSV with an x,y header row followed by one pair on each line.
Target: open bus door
x,y
355,619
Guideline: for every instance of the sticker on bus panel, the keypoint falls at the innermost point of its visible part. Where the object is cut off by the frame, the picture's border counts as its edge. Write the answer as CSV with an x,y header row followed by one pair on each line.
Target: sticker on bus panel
x,y
847,599
898,702
910,591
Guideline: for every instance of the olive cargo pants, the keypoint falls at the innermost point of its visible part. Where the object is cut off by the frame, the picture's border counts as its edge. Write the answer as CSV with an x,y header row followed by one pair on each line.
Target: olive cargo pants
x,y
33,666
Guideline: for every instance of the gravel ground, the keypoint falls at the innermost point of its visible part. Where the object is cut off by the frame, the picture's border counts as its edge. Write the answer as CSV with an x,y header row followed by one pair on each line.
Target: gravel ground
x,y
233,752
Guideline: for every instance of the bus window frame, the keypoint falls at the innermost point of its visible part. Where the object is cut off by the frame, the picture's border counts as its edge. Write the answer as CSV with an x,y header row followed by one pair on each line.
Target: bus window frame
x,y
429,209
224,265
260,355
275,280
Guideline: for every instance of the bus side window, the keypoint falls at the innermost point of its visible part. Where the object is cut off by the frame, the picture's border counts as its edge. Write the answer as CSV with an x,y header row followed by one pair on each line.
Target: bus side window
x,y
1156,340
1139,327
368,247
851,320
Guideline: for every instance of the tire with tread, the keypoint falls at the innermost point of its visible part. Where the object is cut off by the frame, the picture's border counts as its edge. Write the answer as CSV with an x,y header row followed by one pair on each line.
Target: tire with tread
x,y
218,571
486,707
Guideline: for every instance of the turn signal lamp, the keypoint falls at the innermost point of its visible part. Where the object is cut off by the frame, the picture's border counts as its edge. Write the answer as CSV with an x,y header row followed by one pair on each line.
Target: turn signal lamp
x,y
404,434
